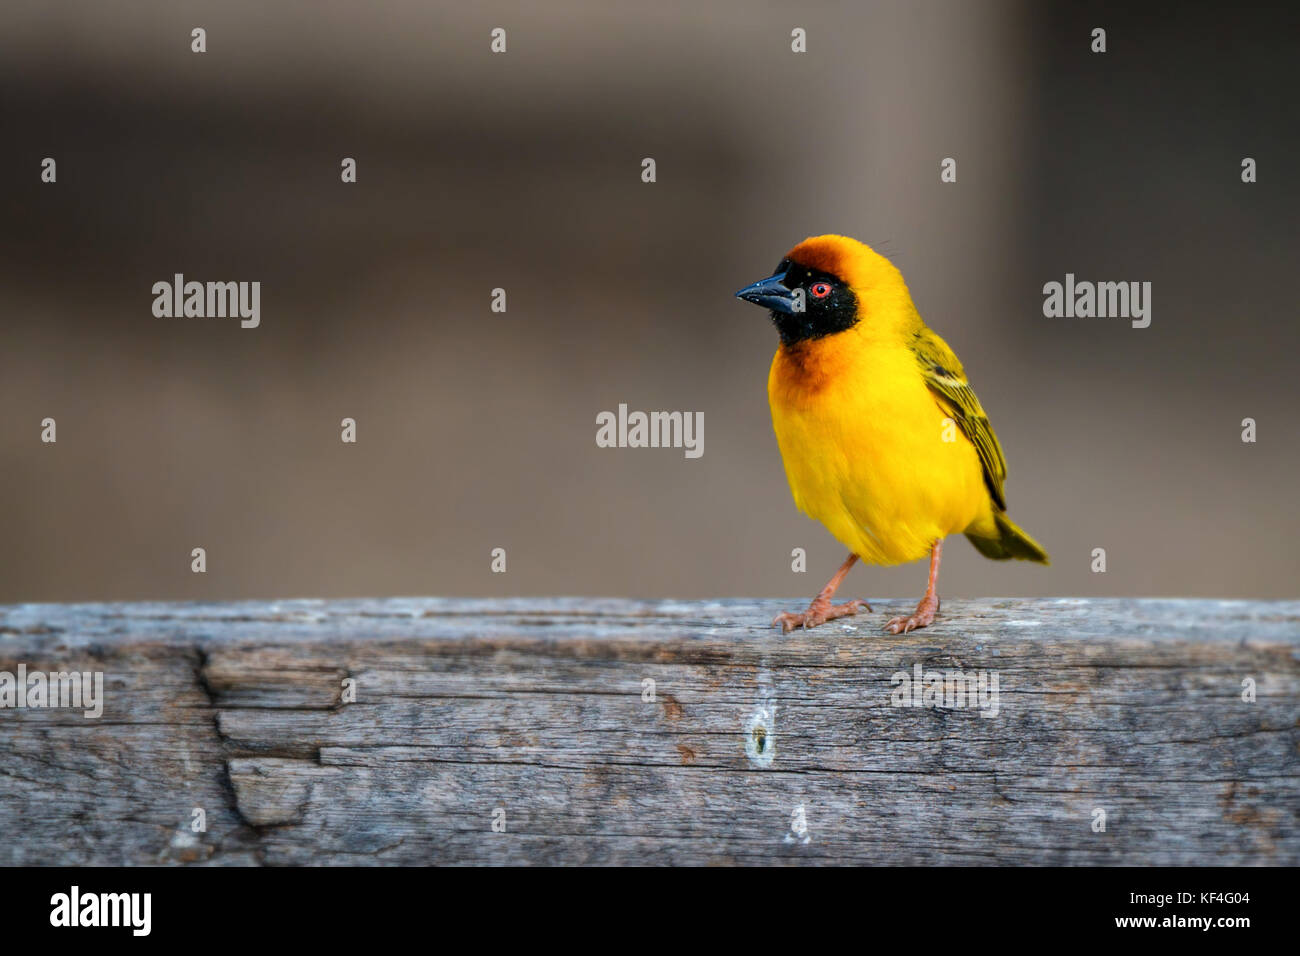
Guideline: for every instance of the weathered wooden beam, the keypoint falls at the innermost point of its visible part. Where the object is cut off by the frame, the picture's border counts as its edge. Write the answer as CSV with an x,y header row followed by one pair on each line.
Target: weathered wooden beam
x,y
538,715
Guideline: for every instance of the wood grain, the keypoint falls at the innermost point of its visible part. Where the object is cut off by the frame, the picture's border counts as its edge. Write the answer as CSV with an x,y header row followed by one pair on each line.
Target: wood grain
x,y
538,711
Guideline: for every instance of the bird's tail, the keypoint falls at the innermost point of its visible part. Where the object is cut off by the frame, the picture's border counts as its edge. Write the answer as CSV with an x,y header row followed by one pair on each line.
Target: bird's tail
x,y
1011,542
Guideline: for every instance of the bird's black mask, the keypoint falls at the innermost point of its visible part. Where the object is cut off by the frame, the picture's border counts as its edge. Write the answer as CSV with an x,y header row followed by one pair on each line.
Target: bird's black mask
x,y
804,303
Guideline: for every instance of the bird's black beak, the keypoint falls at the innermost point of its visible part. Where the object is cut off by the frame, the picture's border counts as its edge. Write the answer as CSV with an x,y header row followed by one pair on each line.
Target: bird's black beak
x,y
770,293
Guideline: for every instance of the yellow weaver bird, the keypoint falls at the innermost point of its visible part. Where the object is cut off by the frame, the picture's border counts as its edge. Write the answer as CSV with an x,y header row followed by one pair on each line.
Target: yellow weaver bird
x,y
883,440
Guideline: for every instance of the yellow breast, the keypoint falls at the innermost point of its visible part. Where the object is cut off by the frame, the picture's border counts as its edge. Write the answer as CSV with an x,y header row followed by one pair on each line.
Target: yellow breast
x,y
868,450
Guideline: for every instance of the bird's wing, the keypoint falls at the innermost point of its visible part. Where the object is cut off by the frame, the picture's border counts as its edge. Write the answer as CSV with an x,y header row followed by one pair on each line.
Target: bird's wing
x,y
944,375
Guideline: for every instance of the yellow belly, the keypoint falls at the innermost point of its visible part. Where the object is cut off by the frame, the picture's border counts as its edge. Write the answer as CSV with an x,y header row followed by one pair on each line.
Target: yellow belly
x,y
868,452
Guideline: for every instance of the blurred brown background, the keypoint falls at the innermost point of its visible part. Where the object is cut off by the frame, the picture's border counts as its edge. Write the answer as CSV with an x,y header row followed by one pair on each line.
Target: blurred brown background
x,y
522,170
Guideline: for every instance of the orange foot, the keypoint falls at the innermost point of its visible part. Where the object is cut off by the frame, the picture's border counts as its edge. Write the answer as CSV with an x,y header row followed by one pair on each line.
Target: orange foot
x,y
819,612
923,615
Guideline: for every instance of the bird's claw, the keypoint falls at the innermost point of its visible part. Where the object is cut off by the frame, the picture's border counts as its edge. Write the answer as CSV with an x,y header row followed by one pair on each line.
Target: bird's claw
x,y
903,624
818,613
923,616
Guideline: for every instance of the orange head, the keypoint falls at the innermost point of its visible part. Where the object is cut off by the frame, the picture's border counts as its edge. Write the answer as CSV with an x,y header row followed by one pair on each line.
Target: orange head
x,y
830,284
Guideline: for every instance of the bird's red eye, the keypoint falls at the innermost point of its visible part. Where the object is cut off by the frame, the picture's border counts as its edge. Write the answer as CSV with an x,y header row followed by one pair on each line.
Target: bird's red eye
x,y
820,290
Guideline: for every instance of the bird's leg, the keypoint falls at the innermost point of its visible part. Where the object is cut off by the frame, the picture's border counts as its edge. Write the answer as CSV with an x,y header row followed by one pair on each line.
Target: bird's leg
x,y
925,611
821,610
